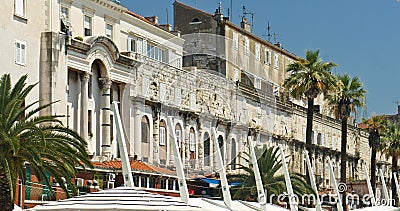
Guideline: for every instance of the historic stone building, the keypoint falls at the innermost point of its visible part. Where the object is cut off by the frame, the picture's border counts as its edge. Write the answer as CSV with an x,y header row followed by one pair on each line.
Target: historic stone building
x,y
88,53
258,68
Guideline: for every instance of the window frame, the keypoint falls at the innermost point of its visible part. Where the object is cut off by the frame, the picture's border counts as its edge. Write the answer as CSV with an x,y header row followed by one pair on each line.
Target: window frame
x,y
16,13
90,18
162,137
111,30
19,54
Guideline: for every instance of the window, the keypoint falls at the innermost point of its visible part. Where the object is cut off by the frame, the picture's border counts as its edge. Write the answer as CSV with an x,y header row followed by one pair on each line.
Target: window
x,y
163,92
131,44
151,182
246,46
192,144
267,57
20,52
178,96
162,136
193,101
19,8
235,41
145,130
257,52
136,181
90,132
154,52
87,26
178,137
235,74
163,184
171,184
276,61
143,182
109,31
258,83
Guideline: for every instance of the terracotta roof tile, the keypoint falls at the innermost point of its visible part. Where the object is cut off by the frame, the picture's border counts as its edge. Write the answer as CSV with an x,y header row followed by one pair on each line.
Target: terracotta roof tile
x,y
135,165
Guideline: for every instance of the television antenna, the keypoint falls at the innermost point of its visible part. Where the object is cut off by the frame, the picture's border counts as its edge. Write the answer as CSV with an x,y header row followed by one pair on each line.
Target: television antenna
x,y
245,13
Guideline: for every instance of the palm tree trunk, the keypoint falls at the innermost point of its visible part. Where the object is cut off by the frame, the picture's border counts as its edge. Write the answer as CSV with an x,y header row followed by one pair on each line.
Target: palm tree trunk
x,y
394,169
373,169
343,159
310,114
6,202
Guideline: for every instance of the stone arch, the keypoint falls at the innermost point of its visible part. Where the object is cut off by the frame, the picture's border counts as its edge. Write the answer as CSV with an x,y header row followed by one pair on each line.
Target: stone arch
x,y
105,43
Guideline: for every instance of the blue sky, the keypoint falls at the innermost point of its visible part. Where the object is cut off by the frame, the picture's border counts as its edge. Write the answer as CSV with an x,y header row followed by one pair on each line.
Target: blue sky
x,y
361,36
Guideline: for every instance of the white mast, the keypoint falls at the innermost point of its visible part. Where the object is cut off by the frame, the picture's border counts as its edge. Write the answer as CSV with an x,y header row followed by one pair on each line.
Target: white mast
x,y
292,197
221,170
384,188
126,167
184,193
260,187
397,184
370,190
313,184
335,186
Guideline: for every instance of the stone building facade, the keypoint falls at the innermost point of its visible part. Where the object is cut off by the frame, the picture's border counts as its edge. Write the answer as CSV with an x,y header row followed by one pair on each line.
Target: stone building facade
x,y
257,67
88,53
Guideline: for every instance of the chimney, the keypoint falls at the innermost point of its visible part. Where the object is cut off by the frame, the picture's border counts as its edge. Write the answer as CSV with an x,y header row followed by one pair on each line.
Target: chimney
x,y
153,19
166,27
218,13
244,24
278,44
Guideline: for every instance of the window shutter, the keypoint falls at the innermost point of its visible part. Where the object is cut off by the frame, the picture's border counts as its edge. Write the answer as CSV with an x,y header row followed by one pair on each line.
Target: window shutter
x,y
178,96
162,136
235,41
139,46
269,57
19,7
129,44
257,52
235,74
193,101
17,52
145,87
144,47
192,145
163,92
276,60
23,53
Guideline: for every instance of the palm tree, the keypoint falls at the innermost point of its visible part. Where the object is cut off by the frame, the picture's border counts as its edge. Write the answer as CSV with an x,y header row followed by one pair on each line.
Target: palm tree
x,y
346,100
309,78
269,164
39,141
375,127
391,148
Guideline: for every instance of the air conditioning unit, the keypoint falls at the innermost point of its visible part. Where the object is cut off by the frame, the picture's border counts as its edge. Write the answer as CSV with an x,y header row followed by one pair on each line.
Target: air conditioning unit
x,y
80,182
111,177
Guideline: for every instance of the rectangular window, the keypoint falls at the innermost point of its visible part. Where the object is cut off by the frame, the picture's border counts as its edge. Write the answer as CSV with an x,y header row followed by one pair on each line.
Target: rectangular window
x,y
87,26
154,52
170,184
143,182
131,44
247,46
276,61
258,83
162,136
163,184
151,182
235,41
20,52
109,31
235,74
267,57
145,131
257,52
19,8
139,45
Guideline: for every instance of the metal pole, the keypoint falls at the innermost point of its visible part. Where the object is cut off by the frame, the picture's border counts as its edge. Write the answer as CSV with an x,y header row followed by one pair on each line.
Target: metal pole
x,y
370,190
384,188
313,184
222,175
126,167
183,190
293,204
335,186
260,187
397,184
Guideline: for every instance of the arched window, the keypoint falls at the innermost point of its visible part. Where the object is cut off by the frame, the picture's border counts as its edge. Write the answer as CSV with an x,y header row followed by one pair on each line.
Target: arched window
x,y
206,149
145,130
163,142
178,134
221,147
233,154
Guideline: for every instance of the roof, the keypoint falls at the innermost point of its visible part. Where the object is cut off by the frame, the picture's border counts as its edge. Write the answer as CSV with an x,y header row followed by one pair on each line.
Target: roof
x,y
141,18
192,8
135,165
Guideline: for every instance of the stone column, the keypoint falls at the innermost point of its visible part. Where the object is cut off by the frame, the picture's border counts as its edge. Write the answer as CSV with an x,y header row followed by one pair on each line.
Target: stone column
x,y
187,143
138,130
200,149
106,126
84,105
